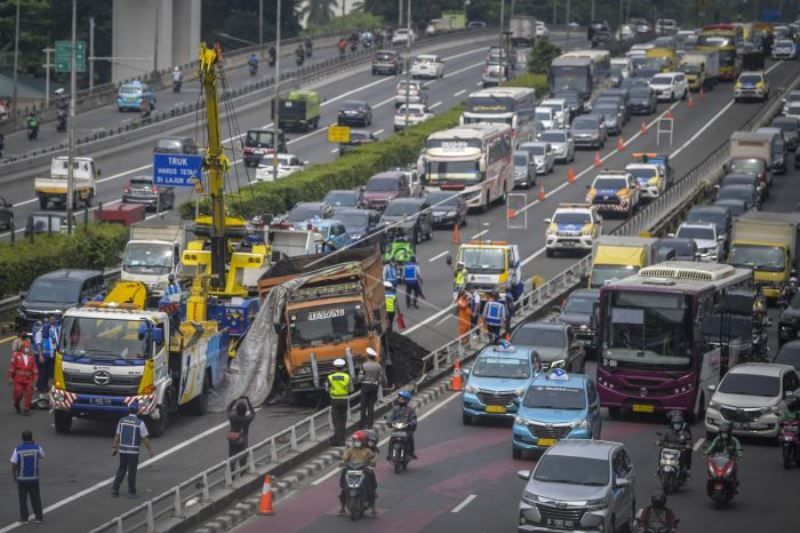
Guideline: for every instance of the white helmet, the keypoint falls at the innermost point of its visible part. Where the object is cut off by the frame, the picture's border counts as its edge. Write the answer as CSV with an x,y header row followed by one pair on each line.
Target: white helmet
x,y
59,91
388,285
339,363
176,69
371,353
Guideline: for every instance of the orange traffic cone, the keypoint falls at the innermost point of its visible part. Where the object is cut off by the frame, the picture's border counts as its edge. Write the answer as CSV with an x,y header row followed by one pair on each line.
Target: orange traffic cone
x,y
456,381
570,174
620,144
644,128
511,213
702,93
669,113
541,193
456,235
690,101
265,505
597,162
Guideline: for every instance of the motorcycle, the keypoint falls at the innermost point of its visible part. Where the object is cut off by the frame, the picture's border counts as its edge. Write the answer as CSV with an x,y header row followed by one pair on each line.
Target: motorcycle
x,y
353,46
176,86
356,496
61,121
272,59
398,446
721,487
299,59
33,131
309,49
253,69
789,438
366,43
671,470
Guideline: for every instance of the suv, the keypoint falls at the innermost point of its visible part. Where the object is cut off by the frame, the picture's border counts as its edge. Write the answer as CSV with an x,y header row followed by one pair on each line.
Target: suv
x,y
555,342
175,145
258,143
579,485
384,187
579,310
387,62
412,215
751,85
704,234
562,143
614,191
572,227
670,86
55,292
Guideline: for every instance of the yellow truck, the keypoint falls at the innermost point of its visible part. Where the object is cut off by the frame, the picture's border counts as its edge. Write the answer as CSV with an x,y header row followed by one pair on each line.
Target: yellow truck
x,y
491,266
616,258
701,69
53,188
663,58
767,242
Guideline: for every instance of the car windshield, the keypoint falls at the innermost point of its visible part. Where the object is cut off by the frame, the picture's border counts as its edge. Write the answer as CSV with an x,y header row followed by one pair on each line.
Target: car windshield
x,y
382,185
746,166
610,111
259,139
584,123
147,258
572,470
103,338
690,68
60,291
401,208
484,260
324,325
544,115
640,92
535,149
696,232
767,258
462,171
610,184
749,79
501,367
738,180
580,304
554,397
302,213
130,89
341,199
700,216
736,192
750,385
553,137
416,111
642,173
520,160
533,335
661,80
144,183
572,218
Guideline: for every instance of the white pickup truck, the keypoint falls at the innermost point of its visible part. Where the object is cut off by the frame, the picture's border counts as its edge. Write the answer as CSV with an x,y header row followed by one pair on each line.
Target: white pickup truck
x,y
54,188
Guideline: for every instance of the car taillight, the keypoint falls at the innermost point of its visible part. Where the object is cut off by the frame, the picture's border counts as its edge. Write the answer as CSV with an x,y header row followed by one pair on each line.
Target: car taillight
x,y
127,189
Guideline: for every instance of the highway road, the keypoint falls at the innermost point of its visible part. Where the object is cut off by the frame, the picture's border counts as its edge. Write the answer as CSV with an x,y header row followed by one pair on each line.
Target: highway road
x,y
75,472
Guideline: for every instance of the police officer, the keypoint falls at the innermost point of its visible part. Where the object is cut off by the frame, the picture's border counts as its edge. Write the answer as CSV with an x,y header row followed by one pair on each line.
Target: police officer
x,y
25,469
494,316
413,281
174,289
339,386
131,434
390,272
390,298
459,279
372,377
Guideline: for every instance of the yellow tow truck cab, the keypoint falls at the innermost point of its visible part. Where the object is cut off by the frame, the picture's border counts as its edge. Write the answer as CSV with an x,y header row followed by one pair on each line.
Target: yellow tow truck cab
x,y
491,266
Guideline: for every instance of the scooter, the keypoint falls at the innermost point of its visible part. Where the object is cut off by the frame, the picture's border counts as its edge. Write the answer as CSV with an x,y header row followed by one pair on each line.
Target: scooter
x,y
176,86
253,69
356,495
671,471
61,121
653,528
789,438
33,131
721,487
398,446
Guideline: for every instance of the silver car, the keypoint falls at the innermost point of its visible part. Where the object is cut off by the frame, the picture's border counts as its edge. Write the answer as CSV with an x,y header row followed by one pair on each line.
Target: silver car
x,y
709,245
544,159
579,485
562,143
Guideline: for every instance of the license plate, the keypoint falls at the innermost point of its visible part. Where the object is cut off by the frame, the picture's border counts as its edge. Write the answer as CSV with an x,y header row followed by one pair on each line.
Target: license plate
x,y
546,442
568,244
399,434
560,523
741,425
100,401
498,409
643,408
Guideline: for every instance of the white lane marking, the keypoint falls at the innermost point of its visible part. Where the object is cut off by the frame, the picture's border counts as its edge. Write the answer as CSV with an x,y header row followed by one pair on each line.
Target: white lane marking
x,y
330,474
463,504
435,257
699,443
335,150
533,256
384,102
479,84
459,93
480,234
434,106
379,131
708,124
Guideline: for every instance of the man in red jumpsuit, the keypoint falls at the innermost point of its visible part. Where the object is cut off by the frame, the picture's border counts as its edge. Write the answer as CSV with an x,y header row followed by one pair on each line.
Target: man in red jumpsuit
x,y
23,373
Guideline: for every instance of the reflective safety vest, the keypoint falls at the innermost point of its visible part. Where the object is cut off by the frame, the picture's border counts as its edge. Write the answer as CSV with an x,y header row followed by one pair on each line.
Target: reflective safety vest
x,y
339,384
461,277
391,299
28,455
390,274
130,434
410,272
495,313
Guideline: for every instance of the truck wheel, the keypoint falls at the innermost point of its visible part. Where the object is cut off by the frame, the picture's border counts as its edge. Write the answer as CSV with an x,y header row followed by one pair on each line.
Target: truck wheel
x,y
63,421
200,404
156,428
43,202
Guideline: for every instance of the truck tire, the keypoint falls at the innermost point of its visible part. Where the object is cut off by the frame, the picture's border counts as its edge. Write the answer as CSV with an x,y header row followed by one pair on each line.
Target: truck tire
x,y
156,428
63,421
43,202
199,405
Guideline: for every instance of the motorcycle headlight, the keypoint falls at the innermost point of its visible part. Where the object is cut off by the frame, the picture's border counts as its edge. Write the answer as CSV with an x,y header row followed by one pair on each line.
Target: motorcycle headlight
x,y
471,389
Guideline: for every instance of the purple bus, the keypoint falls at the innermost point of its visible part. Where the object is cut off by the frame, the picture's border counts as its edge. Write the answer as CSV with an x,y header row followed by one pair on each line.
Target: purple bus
x,y
653,356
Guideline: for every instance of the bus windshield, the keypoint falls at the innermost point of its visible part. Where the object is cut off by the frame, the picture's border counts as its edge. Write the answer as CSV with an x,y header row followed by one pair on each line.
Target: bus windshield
x,y
490,119
570,77
648,329
490,104
461,171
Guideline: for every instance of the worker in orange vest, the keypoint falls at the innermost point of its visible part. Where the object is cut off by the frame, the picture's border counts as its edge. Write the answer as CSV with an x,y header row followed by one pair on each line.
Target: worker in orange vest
x,y
22,374
464,309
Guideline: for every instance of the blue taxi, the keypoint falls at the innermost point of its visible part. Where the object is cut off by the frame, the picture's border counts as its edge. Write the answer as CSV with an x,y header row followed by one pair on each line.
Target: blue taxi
x,y
557,405
498,379
130,96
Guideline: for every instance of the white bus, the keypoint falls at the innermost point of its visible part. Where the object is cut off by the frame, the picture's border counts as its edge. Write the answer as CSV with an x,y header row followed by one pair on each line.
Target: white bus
x,y
474,160
514,106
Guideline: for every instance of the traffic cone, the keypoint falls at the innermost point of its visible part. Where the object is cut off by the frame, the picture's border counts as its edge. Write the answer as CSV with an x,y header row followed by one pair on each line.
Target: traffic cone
x,y
265,504
669,113
511,213
570,174
456,381
620,144
644,128
702,93
456,234
541,193
690,101
597,162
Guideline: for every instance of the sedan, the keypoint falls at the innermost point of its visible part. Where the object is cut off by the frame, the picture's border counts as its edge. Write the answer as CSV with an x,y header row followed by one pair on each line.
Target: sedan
x,y
736,207
340,198
744,193
359,223
611,117
414,92
672,248
411,114
287,165
357,138
427,66
790,127
355,113
131,95
413,215
589,131
175,145
448,208
303,212
562,143
643,100
141,190
403,36
544,159
573,99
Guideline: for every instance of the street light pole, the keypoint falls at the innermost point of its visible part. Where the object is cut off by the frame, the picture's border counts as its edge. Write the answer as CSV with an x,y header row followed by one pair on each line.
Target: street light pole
x,y
276,101
408,64
16,65
155,43
47,66
91,54
71,123
261,27
569,5
502,37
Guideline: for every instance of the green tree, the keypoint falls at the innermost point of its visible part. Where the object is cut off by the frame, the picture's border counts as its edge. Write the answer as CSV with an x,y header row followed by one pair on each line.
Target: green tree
x,y
542,55
319,12
240,19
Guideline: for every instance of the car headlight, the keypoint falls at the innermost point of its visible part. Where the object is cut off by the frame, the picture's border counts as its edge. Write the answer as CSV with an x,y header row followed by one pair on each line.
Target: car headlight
x,y
519,392
587,231
450,214
598,503
580,424
738,85
520,421
472,389
530,498
653,181
713,404
772,410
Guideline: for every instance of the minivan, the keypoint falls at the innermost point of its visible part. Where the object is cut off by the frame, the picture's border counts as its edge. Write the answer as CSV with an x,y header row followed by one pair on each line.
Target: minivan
x,y
55,292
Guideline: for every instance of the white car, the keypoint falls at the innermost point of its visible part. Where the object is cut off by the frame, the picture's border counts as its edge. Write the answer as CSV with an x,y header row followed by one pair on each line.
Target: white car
x,y
403,35
417,93
427,66
670,86
784,49
650,178
560,111
541,30
546,117
751,85
572,227
751,396
417,113
792,109
287,164
562,143
544,158
709,245
625,33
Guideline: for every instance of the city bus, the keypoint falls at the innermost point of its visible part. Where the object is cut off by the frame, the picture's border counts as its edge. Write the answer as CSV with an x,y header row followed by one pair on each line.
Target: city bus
x,y
573,73
654,355
514,106
474,160
724,38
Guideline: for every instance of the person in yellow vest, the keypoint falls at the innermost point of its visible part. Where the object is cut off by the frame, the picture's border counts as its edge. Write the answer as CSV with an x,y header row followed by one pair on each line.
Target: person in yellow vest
x,y
339,386
459,279
390,299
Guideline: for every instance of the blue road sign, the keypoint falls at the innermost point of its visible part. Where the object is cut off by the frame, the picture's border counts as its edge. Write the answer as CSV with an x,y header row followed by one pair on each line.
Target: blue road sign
x,y
176,170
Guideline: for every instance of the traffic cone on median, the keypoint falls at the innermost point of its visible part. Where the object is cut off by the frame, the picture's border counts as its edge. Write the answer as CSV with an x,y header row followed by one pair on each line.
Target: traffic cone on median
x,y
456,235
265,504
570,175
541,193
669,113
702,93
690,101
456,380
644,128
620,144
511,213
597,162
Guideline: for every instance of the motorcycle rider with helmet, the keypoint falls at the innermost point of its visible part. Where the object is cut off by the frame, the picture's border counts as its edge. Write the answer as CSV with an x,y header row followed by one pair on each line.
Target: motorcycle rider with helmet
x,y
726,443
403,410
272,56
309,46
792,411
679,436
252,62
300,53
657,513
360,452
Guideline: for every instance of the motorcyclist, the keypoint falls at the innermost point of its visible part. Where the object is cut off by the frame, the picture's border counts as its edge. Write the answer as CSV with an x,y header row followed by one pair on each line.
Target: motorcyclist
x,y
177,79
32,122
726,443
342,46
361,453
792,411
300,52
657,513
354,38
309,46
272,55
145,107
679,436
252,62
61,98
403,410
366,39
788,291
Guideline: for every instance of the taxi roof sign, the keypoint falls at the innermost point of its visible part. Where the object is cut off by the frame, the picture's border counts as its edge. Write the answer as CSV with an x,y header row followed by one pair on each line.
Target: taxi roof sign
x,y
558,374
504,346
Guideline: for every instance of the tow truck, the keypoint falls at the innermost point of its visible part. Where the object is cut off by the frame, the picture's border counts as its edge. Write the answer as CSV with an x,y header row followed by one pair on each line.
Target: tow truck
x,y
492,266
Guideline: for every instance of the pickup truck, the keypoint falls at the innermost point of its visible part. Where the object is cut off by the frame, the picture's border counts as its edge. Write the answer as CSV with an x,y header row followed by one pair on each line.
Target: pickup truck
x,y
54,188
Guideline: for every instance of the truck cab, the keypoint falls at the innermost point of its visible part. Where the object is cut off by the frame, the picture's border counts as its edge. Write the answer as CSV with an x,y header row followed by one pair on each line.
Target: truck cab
x,y
619,257
491,266
152,253
54,188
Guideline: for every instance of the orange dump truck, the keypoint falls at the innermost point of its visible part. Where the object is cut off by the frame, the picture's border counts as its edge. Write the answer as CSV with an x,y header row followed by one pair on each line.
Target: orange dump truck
x,y
333,307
